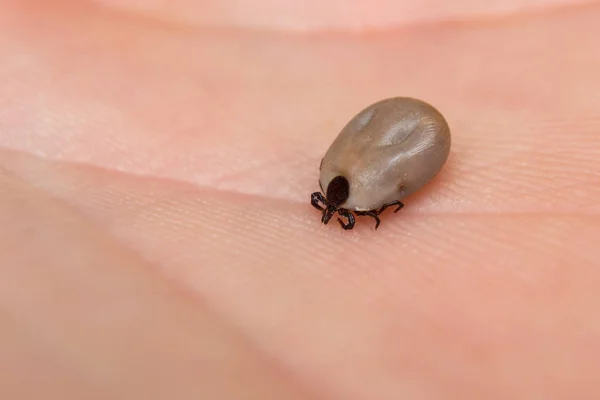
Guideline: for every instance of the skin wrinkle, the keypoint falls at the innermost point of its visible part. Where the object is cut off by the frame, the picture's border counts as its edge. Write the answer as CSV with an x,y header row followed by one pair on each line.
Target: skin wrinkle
x,y
62,198
215,18
412,210
18,184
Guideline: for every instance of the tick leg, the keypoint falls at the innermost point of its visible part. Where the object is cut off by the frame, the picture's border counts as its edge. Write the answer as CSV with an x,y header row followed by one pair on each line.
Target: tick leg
x,y
317,198
391,203
348,215
370,214
327,214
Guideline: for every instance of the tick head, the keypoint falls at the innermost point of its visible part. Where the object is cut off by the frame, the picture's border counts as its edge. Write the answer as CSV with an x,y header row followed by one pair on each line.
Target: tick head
x,y
338,191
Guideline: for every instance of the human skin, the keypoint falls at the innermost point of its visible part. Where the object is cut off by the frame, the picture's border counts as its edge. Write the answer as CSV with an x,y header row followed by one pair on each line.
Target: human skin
x,y
157,240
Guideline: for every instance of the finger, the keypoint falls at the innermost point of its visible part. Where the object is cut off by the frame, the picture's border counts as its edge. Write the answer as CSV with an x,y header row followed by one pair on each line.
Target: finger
x,y
492,294
84,317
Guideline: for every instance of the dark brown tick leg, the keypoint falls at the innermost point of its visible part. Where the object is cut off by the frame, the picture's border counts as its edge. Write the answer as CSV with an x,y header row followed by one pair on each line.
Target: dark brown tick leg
x,y
317,197
348,215
327,214
370,214
391,203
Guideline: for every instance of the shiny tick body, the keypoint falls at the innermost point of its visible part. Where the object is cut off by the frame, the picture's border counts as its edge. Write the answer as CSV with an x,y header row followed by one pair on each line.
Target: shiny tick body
x,y
388,151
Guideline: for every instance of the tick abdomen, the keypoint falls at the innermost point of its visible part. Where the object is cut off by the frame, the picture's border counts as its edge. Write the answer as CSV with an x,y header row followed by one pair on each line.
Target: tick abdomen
x,y
387,152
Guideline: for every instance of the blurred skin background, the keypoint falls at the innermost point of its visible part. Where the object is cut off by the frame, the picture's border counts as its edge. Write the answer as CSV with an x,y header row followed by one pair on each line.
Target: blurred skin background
x,y
157,241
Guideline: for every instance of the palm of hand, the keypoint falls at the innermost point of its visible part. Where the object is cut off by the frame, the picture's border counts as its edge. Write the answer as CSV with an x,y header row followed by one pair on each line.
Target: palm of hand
x,y
165,172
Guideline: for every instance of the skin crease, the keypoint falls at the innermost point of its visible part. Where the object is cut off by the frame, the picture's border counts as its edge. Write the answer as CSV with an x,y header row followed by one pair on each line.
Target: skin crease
x,y
157,241
387,151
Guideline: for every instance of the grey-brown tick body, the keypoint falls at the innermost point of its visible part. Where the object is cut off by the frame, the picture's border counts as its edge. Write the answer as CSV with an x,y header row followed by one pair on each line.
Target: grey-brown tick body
x,y
388,151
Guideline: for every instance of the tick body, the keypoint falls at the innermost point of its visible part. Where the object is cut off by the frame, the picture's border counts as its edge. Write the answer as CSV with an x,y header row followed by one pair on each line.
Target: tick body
x,y
388,151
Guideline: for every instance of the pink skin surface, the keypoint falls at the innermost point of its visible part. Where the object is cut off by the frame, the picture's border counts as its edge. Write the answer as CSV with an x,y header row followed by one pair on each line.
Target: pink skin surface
x,y
156,164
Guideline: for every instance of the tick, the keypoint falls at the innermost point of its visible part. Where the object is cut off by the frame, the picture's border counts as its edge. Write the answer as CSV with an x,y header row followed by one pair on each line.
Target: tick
x,y
386,152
